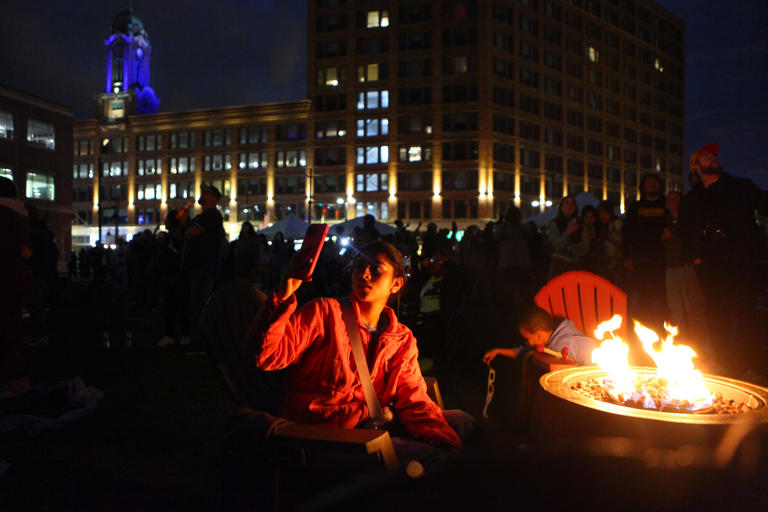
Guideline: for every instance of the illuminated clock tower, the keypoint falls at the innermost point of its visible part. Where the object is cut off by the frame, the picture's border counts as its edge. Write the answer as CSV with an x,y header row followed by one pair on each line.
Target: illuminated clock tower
x,y
127,79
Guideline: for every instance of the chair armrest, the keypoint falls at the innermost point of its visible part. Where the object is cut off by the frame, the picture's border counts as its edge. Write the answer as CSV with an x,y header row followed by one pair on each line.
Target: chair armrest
x,y
375,442
433,391
549,362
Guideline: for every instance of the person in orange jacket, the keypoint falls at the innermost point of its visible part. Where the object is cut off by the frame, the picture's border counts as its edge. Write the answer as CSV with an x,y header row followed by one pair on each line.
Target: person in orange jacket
x,y
323,386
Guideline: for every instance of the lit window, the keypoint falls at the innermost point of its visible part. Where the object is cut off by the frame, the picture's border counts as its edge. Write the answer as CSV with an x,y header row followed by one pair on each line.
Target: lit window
x,y
372,154
368,72
41,133
372,127
6,125
6,173
592,54
331,77
376,19
172,191
40,186
372,99
658,65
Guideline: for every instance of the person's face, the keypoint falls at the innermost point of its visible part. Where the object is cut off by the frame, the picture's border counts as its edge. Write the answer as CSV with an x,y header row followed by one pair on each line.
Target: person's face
x,y
708,163
569,206
207,201
652,187
590,219
373,279
534,338
605,216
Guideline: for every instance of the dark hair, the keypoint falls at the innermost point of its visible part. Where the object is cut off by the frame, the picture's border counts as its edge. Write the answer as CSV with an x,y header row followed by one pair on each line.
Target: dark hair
x,y
561,221
394,257
588,208
536,319
649,176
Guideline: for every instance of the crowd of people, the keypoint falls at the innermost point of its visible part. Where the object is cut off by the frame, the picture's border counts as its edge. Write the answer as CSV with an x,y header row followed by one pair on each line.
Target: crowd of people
x,y
691,260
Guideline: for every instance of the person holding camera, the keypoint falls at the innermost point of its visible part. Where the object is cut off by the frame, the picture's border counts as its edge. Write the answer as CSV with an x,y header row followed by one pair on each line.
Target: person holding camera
x,y
324,386
721,239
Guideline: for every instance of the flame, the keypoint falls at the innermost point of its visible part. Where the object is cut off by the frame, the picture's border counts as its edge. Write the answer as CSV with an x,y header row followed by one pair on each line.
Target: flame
x,y
612,356
674,364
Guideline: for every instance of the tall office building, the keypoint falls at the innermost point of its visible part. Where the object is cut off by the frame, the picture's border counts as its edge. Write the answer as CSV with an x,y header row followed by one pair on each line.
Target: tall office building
x,y
458,108
418,110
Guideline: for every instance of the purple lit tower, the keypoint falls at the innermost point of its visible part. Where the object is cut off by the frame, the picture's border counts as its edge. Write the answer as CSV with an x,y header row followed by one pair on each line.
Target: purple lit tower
x,y
128,62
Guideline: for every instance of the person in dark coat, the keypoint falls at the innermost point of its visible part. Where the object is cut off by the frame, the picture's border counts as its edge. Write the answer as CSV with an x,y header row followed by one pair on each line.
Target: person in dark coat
x,y
721,238
16,277
643,252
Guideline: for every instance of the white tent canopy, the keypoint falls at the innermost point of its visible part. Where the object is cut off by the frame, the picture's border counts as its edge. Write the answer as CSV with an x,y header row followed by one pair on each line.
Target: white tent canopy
x,y
291,226
350,225
544,218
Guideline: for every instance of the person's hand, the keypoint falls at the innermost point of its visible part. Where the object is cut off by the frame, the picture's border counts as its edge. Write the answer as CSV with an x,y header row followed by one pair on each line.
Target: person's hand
x,y
666,234
629,265
26,252
697,261
572,228
488,357
287,288
298,266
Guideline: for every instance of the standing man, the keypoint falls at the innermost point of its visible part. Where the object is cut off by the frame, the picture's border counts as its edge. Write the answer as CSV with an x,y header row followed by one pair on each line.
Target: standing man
x,y
204,239
721,238
643,251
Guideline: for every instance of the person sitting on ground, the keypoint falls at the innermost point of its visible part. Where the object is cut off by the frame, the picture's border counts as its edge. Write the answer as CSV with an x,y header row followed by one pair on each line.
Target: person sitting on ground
x,y
539,328
323,386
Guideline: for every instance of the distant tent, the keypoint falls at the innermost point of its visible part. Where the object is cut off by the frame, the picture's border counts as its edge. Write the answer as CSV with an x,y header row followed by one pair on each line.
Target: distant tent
x,y
544,218
350,225
291,227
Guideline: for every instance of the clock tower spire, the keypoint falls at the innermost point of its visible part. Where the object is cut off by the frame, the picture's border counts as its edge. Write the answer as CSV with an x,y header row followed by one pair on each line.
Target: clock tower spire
x,y
128,64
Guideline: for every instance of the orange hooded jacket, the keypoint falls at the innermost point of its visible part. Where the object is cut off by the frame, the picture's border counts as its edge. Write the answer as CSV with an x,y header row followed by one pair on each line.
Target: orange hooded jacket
x,y
323,386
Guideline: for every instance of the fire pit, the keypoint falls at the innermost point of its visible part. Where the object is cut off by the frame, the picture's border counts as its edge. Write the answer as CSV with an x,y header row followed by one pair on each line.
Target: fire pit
x,y
562,408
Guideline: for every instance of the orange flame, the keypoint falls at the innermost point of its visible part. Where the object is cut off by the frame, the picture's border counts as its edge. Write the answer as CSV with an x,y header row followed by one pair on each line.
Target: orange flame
x,y
674,363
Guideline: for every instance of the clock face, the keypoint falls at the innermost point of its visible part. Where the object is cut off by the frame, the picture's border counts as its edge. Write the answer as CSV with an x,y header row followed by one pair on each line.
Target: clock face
x,y
116,109
139,53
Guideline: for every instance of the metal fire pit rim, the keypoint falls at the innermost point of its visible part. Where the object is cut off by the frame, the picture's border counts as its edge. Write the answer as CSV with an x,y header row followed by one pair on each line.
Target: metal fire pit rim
x,y
558,383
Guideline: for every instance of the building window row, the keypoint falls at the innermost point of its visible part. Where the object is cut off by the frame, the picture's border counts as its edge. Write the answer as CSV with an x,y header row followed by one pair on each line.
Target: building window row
x,y
291,158
153,142
149,191
182,140
148,167
255,160
182,165
40,134
218,162
41,186
82,171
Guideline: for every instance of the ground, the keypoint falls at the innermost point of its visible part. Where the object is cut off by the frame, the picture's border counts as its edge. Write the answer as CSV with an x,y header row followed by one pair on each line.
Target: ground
x,y
153,443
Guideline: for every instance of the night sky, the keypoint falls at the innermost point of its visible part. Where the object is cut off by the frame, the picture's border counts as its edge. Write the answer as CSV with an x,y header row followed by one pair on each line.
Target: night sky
x,y
233,52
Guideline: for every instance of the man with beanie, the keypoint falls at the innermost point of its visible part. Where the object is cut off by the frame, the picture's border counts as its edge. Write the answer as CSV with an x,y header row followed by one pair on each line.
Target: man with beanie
x,y
720,238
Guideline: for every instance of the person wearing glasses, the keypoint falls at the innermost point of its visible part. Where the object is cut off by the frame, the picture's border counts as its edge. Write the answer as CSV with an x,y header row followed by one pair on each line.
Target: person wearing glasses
x,y
323,386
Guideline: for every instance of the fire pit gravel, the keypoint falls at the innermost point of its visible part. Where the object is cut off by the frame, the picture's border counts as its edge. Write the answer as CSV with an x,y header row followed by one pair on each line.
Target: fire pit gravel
x,y
655,388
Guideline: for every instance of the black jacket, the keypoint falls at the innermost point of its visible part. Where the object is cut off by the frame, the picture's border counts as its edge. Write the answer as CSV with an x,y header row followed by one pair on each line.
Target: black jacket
x,y
643,227
717,223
